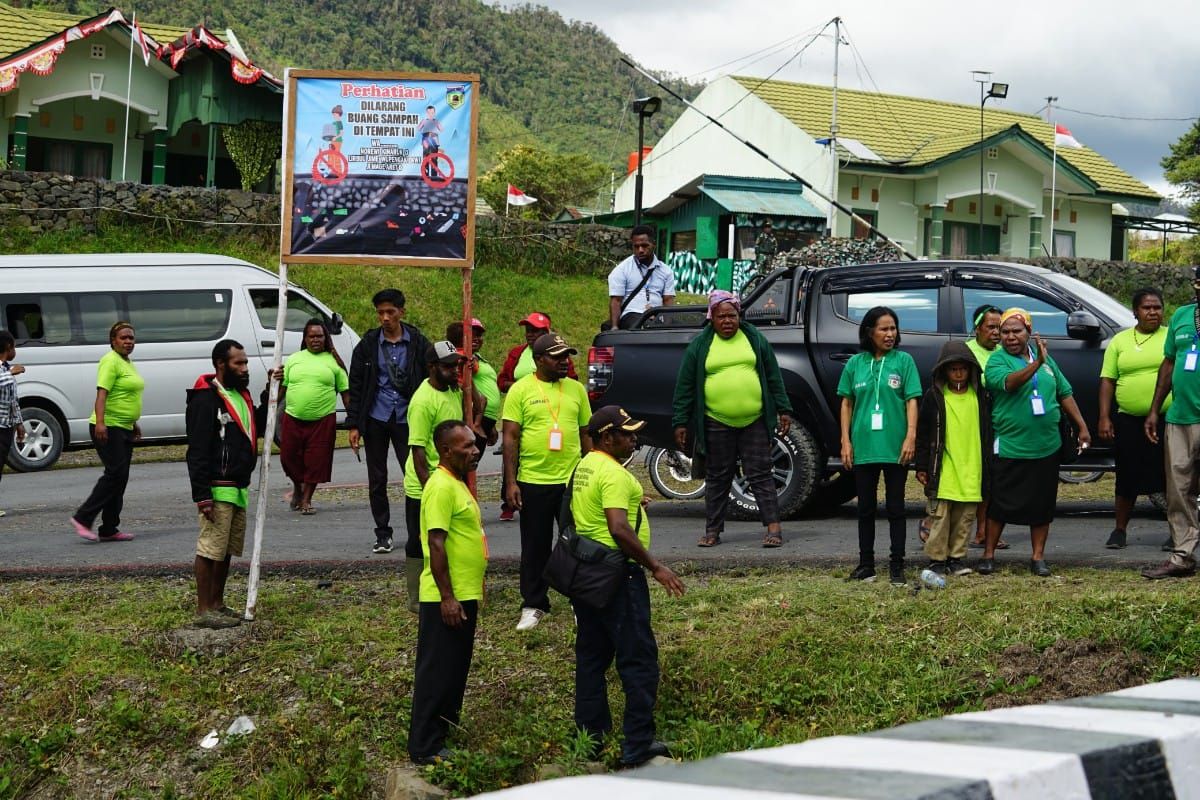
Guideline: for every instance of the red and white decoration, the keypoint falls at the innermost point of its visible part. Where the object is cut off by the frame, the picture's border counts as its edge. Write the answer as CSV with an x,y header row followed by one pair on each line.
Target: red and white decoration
x,y
1063,137
518,198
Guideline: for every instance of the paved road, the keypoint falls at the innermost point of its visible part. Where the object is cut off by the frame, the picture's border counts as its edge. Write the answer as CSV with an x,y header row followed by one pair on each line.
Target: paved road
x,y
35,535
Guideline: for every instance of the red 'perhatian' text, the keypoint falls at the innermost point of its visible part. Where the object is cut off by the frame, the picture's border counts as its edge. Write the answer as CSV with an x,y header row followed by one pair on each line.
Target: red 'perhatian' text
x,y
398,91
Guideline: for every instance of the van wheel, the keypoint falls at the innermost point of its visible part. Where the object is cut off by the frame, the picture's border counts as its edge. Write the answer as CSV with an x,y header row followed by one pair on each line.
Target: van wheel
x,y
794,460
43,442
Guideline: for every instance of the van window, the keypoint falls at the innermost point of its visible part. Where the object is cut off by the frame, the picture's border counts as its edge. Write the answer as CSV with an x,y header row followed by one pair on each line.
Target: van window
x,y
299,309
39,319
187,316
97,313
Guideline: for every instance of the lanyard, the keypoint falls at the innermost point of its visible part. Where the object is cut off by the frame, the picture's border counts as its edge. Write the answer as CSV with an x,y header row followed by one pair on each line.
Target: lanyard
x,y
878,378
1034,381
553,412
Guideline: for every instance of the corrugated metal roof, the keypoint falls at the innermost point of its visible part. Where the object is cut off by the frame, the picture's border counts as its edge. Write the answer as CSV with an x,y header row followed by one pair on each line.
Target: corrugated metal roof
x,y
749,201
914,131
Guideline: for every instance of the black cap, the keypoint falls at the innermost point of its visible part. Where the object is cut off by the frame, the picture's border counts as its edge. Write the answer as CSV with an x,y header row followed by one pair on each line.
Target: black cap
x,y
611,417
551,344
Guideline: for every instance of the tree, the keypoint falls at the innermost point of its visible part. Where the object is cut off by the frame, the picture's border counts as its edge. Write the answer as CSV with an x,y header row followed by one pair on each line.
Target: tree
x,y
253,146
1182,166
555,180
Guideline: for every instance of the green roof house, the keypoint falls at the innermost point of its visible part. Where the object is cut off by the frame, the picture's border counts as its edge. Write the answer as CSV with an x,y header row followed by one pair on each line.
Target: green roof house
x,y
909,165
103,97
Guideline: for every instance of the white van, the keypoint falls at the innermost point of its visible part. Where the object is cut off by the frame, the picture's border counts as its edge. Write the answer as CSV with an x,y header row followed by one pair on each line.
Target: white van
x,y
59,309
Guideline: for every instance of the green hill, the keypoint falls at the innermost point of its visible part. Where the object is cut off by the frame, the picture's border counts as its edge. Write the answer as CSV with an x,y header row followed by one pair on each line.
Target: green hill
x,y
545,81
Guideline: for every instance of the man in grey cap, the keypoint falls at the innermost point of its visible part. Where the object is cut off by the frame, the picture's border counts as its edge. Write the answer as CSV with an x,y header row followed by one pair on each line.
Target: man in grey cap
x,y
545,414
607,506
1180,375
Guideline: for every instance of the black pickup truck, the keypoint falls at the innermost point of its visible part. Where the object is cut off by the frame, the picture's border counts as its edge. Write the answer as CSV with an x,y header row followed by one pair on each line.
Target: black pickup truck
x,y
811,317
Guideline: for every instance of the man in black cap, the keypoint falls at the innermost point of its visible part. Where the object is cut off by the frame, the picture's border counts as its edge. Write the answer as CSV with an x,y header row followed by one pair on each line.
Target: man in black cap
x,y
544,417
607,505
1180,375
765,248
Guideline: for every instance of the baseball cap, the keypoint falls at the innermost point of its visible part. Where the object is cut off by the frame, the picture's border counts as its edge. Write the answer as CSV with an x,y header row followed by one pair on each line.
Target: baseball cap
x,y
537,320
445,352
551,344
611,417
475,323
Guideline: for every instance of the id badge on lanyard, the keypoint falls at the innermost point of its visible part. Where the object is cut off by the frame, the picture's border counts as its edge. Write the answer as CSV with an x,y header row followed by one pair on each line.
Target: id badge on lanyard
x,y
1038,404
1189,360
556,439
877,420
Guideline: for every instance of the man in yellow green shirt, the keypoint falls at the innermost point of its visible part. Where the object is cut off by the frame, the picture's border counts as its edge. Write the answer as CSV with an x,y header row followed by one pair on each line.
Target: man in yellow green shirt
x,y
544,418
436,400
606,505
455,560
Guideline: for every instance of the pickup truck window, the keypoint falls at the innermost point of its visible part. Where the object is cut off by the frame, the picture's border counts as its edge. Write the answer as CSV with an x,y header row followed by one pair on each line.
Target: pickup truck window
x,y
1048,319
918,308
772,304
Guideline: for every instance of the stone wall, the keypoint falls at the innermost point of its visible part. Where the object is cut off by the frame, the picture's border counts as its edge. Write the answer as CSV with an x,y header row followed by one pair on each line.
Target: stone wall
x,y
1121,278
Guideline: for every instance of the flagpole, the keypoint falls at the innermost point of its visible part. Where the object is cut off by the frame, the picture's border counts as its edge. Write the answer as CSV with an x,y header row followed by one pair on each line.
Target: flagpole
x,y
1053,172
128,93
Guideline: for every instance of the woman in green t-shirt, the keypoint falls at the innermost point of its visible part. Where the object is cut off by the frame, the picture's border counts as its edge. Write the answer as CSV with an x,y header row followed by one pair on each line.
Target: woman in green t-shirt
x,y
1130,369
879,389
114,429
1028,391
729,399
312,380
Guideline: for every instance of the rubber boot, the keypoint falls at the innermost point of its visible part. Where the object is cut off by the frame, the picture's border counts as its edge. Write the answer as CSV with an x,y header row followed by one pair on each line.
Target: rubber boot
x,y
413,567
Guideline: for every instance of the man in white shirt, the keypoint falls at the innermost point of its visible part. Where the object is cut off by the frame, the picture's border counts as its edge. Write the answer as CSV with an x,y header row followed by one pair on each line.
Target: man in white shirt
x,y
630,292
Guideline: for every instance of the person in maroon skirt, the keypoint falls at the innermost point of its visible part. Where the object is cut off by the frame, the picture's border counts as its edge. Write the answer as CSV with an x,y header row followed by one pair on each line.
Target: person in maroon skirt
x,y
312,380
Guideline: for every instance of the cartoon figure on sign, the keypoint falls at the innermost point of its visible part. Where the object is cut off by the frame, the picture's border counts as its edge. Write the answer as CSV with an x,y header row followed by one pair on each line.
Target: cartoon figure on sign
x,y
430,142
330,166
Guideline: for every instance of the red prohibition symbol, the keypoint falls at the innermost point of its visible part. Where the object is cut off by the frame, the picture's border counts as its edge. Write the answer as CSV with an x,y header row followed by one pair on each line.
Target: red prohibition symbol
x,y
434,174
330,167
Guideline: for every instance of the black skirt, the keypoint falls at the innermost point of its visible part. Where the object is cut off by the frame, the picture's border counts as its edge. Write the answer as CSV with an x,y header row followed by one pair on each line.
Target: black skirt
x,y
1023,491
1139,461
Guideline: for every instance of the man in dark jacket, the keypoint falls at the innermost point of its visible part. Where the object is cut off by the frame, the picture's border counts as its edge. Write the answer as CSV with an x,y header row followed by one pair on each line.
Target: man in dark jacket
x,y
387,366
953,442
223,428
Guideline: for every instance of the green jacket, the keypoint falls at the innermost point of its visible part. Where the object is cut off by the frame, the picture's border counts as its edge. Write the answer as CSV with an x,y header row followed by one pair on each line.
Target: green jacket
x,y
689,409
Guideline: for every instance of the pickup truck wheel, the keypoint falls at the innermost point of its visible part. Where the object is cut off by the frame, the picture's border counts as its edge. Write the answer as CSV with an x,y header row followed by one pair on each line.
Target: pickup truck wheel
x,y
837,489
795,461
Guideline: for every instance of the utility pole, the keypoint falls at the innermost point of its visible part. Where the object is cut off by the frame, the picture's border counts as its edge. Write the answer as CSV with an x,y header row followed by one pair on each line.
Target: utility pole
x,y
833,132
1050,101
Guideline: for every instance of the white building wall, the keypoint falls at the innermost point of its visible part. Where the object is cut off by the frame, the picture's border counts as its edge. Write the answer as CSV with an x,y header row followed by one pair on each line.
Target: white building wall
x,y
693,147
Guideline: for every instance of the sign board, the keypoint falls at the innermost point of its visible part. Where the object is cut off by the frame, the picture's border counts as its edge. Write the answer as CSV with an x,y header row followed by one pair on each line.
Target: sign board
x,y
379,168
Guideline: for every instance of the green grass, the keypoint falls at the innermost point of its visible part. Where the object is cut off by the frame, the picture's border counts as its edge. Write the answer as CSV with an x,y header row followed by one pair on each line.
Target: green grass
x,y
98,699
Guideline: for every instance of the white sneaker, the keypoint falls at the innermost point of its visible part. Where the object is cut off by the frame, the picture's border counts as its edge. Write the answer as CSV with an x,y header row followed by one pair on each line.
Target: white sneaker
x,y
530,617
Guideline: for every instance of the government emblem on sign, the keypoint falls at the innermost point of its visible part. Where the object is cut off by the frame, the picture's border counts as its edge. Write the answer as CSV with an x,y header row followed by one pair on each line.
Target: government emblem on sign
x,y
455,96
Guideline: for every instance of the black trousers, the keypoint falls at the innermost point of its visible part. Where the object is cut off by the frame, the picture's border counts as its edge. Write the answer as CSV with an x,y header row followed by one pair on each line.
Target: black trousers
x,y
866,481
378,436
412,521
621,630
443,661
724,447
7,435
108,495
540,506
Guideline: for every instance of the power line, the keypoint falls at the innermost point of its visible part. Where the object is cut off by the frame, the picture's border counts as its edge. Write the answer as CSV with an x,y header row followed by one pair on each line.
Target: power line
x,y
1127,118
858,59
780,45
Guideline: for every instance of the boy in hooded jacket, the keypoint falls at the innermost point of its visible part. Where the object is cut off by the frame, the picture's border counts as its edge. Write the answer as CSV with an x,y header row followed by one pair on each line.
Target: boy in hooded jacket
x,y
953,438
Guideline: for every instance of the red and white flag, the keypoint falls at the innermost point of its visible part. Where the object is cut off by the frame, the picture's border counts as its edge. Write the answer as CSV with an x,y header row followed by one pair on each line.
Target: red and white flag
x,y
139,36
518,198
1063,137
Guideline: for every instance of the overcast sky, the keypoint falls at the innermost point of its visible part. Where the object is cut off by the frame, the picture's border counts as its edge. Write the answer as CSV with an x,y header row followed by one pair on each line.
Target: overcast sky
x,y
1137,59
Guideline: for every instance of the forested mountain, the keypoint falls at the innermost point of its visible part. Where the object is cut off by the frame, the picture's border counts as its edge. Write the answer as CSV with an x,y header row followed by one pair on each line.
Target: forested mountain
x,y
546,82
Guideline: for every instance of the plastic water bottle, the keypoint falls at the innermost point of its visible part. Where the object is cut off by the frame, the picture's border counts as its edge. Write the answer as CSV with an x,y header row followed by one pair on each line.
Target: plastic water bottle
x,y
932,580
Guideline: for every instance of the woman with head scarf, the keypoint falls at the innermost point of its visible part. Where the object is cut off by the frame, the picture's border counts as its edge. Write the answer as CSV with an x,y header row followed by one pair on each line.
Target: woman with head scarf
x,y
729,397
1029,394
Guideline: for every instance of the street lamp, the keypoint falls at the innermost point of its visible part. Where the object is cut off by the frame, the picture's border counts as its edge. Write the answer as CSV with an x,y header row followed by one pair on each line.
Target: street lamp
x,y
999,91
644,107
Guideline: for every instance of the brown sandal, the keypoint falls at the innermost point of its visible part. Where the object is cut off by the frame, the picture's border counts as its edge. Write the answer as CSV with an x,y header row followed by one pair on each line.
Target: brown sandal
x,y
709,540
772,540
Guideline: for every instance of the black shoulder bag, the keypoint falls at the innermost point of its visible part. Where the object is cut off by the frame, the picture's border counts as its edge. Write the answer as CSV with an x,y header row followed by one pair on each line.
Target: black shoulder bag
x,y
607,324
581,568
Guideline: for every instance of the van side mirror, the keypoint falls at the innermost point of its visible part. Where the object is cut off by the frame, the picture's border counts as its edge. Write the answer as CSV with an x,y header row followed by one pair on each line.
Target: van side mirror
x,y
1083,325
335,323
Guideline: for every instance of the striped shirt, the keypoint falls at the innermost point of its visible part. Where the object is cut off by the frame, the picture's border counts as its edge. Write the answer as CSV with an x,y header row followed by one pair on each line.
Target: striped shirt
x,y
10,409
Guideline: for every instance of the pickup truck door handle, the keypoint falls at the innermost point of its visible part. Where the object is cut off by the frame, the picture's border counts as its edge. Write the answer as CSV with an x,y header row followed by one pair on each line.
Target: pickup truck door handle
x,y
265,343
841,356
